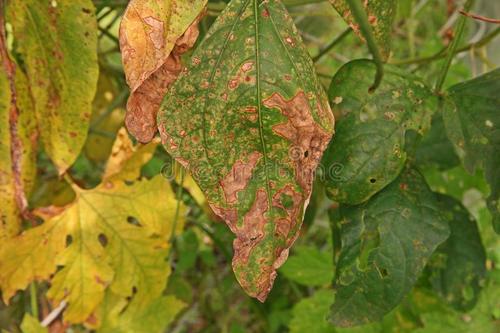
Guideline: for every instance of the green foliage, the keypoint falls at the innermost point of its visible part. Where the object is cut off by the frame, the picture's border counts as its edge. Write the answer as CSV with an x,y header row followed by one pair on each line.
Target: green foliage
x,y
392,226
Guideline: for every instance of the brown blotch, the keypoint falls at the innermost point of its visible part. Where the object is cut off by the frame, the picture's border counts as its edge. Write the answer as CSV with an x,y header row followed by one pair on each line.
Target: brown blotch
x,y
303,133
237,179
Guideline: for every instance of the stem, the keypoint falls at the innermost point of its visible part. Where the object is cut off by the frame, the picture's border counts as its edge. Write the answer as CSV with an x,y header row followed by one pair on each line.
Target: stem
x,y
33,300
178,207
332,44
452,48
359,14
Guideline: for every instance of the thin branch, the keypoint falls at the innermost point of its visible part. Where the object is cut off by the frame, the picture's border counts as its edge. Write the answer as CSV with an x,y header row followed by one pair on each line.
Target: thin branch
x,y
479,17
452,48
333,43
359,15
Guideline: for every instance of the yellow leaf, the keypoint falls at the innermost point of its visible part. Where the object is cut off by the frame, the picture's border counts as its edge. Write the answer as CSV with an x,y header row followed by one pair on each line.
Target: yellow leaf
x,y
32,325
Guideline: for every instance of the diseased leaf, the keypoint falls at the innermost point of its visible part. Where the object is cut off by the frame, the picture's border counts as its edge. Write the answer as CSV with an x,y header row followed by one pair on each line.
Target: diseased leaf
x,y
459,264
24,146
112,236
472,124
309,266
153,36
57,42
250,121
386,243
381,14
369,150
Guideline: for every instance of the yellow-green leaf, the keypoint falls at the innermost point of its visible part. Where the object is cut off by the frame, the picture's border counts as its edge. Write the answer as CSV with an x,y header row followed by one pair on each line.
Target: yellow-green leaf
x,y
32,325
57,41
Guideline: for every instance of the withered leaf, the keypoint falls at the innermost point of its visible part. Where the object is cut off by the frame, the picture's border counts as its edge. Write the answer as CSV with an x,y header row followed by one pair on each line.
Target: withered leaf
x,y
153,36
250,121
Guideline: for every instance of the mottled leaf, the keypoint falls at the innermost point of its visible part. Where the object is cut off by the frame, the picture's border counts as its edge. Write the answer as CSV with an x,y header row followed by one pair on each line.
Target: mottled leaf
x,y
153,36
380,14
386,243
472,124
369,150
112,236
309,266
250,121
23,144
57,41
459,264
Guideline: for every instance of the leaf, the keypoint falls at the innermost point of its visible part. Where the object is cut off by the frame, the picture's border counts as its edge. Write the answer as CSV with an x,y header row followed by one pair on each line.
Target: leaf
x,y
386,243
459,266
370,147
153,318
112,236
10,221
472,124
32,325
435,149
249,120
309,266
57,42
381,14
153,36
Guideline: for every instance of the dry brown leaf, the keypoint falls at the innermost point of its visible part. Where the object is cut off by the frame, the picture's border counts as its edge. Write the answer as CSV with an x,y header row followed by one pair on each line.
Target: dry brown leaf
x,y
153,36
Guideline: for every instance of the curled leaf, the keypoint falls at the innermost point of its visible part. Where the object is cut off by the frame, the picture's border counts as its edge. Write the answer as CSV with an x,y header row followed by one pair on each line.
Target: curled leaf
x,y
153,36
250,120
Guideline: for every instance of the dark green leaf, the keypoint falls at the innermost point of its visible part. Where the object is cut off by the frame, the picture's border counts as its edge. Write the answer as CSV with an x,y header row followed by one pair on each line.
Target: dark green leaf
x,y
459,264
386,243
249,119
472,124
369,150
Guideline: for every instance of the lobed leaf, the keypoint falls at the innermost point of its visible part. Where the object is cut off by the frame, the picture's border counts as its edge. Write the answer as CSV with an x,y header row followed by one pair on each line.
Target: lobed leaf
x,y
153,36
472,123
381,14
369,150
57,42
386,243
249,119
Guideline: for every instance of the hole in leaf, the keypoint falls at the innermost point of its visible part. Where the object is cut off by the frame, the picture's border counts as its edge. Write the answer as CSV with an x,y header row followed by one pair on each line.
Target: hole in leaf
x,y
69,240
103,240
133,220
306,153
384,273
372,180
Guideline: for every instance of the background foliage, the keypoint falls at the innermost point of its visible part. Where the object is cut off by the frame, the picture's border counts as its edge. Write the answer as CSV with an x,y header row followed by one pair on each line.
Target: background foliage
x,y
127,251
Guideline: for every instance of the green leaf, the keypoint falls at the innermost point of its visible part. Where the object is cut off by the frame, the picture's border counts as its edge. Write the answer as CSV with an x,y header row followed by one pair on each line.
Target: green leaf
x,y
369,150
386,243
472,124
249,119
57,41
32,325
309,266
459,264
435,149
380,14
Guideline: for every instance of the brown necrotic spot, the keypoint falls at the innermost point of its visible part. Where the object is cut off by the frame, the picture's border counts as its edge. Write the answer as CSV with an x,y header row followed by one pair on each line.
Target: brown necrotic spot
x,y
237,179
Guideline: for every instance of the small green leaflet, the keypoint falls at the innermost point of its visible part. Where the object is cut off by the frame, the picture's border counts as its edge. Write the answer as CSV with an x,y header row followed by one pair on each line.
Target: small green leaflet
x,y
386,243
459,264
472,124
250,120
57,41
369,150
380,14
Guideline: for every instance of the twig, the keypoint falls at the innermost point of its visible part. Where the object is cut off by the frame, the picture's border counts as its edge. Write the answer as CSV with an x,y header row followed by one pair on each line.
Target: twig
x,y
452,49
359,14
479,17
54,314
333,43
